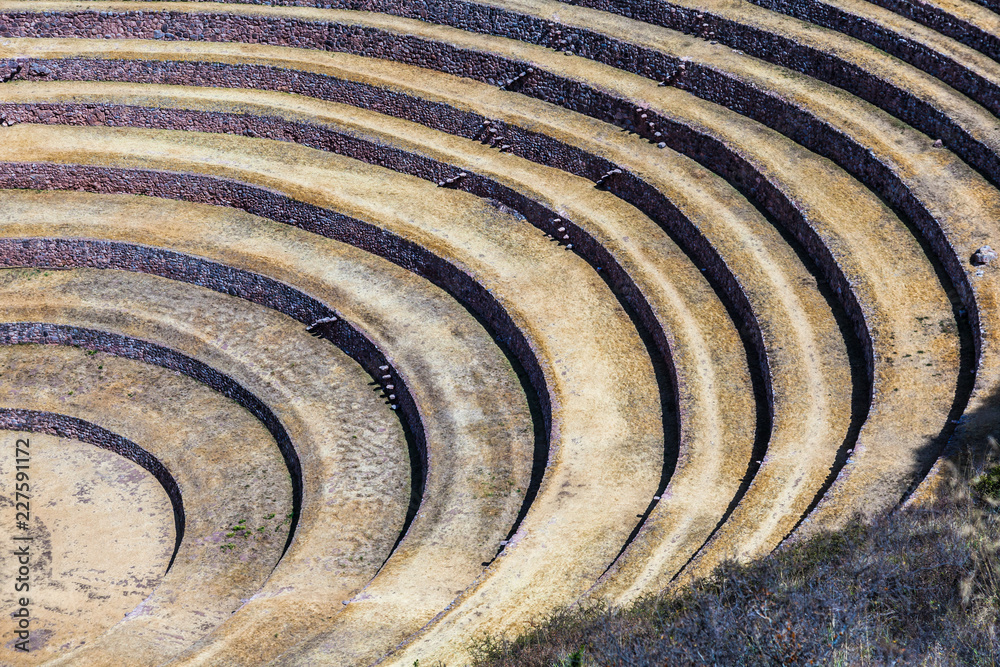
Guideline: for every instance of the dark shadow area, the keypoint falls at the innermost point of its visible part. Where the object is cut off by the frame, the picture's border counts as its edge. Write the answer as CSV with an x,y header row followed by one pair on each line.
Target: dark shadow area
x,y
667,383
968,449
953,439
540,438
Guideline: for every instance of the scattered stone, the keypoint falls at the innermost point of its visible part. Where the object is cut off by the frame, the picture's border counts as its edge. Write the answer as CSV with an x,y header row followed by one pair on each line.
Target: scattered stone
x,y
483,134
938,143
984,256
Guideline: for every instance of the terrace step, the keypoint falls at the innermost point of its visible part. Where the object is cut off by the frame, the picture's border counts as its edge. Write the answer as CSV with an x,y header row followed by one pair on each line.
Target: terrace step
x,y
437,349
958,65
190,428
605,409
900,475
692,120
607,37
805,270
953,211
587,338
783,297
931,207
957,215
397,136
918,98
333,422
962,20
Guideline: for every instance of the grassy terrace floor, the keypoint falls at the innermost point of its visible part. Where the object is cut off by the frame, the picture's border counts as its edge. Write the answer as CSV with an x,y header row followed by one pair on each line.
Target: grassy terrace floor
x,y
90,586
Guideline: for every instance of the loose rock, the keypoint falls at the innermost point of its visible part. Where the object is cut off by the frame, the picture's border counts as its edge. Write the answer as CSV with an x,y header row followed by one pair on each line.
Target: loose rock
x,y
983,256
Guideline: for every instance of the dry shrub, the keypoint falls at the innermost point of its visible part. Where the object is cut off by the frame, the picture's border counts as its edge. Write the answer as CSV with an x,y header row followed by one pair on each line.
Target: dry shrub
x,y
914,587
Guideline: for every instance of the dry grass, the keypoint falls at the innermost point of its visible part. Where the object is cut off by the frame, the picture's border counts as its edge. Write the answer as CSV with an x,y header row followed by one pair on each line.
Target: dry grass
x,y
916,587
